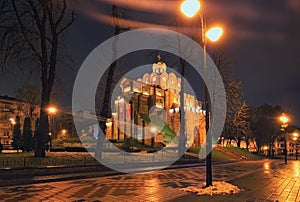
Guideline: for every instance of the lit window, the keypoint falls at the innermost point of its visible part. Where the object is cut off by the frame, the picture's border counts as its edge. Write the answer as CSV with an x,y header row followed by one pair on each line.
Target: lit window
x,y
154,79
127,89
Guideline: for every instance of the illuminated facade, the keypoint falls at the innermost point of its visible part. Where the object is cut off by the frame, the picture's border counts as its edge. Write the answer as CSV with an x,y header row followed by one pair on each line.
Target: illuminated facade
x,y
10,108
156,93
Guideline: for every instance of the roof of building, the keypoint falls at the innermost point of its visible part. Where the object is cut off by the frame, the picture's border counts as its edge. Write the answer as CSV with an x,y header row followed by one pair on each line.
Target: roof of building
x,y
9,98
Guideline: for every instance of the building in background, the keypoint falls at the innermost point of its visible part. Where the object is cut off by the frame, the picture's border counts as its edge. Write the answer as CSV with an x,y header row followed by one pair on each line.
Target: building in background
x,y
158,94
63,124
10,108
292,144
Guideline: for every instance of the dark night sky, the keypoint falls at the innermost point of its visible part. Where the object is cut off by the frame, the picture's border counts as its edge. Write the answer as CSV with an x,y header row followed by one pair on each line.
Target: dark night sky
x,y
260,37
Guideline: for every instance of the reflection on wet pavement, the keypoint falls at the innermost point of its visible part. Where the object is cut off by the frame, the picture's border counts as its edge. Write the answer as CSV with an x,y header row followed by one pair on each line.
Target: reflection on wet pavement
x,y
260,180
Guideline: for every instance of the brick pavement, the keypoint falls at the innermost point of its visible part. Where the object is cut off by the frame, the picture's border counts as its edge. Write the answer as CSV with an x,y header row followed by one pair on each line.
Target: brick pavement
x,y
260,180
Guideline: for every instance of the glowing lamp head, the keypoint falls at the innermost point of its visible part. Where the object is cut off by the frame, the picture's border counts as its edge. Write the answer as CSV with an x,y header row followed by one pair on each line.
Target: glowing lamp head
x,y
12,121
283,119
153,129
52,110
214,34
190,7
296,134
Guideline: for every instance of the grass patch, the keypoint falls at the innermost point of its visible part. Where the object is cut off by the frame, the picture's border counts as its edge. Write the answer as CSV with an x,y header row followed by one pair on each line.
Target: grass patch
x,y
216,155
243,152
194,150
219,156
131,145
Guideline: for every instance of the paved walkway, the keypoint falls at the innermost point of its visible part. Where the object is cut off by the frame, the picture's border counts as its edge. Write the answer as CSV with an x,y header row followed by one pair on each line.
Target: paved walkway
x,y
260,180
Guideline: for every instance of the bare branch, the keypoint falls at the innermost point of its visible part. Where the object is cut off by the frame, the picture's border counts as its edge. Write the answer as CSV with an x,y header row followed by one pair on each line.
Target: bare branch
x,y
68,24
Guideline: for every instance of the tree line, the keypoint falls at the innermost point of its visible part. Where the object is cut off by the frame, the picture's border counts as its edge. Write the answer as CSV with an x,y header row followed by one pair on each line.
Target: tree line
x,y
24,139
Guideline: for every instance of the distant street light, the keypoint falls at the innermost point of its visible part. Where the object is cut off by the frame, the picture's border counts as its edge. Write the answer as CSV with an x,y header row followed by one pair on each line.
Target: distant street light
x,y
295,138
284,120
190,8
51,112
12,121
214,34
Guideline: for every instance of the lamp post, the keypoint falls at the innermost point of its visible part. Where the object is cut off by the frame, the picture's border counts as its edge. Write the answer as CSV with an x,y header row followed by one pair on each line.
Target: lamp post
x,y
13,123
284,120
190,8
51,112
295,138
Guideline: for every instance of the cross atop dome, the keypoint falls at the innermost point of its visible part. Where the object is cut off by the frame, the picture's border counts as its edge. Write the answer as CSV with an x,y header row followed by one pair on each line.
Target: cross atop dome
x,y
160,66
159,58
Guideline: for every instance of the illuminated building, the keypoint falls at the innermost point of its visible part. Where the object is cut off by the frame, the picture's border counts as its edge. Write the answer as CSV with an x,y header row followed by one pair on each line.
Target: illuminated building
x,y
10,108
157,93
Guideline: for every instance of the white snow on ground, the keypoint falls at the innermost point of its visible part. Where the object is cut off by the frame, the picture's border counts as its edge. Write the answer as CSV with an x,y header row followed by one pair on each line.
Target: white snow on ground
x,y
217,188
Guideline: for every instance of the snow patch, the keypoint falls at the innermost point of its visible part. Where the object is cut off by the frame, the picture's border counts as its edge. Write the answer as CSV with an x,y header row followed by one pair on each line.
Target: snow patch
x,y
217,188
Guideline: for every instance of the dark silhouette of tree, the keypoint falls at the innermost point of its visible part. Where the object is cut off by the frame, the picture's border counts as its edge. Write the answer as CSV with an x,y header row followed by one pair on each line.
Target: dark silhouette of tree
x,y
30,94
105,110
27,135
234,103
242,126
35,133
234,98
265,125
1,147
31,31
17,138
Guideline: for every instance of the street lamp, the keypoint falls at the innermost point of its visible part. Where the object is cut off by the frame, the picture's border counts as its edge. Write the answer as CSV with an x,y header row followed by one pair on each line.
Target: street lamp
x,y
12,121
190,8
51,111
295,138
284,120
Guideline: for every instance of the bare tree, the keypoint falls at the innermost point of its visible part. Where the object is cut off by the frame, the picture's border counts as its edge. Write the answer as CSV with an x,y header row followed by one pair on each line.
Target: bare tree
x,y
31,31
234,98
30,94
242,129
105,110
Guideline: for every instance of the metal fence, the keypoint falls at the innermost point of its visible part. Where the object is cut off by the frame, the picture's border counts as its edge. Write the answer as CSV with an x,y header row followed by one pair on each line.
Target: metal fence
x,y
30,162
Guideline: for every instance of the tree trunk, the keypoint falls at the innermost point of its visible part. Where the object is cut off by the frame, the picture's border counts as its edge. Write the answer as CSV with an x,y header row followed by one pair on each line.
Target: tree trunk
x,y
182,136
238,142
247,144
100,142
106,112
43,128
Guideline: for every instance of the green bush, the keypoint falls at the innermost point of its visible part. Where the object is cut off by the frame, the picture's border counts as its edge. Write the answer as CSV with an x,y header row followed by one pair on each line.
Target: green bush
x,y
75,149
72,140
194,150
88,140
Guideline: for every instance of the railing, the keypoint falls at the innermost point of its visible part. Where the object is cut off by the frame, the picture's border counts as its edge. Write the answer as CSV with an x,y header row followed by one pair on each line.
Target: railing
x,y
30,162
108,158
